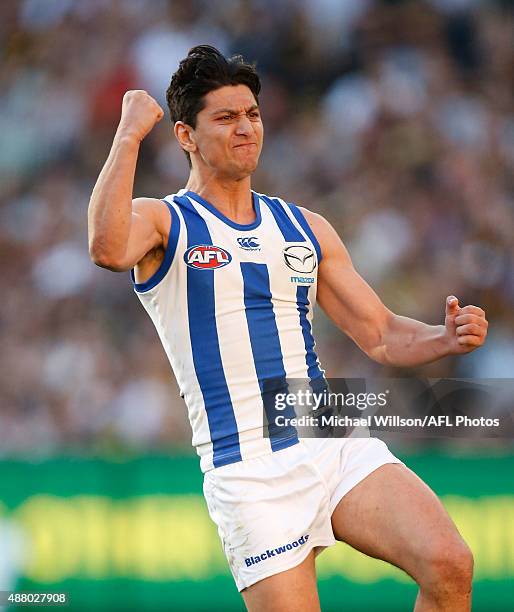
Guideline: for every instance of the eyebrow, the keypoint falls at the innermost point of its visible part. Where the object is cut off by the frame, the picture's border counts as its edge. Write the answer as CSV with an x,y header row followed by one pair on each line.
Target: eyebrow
x,y
231,111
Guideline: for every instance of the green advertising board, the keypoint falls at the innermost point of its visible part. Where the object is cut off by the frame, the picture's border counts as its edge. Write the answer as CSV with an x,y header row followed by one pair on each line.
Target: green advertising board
x,y
136,535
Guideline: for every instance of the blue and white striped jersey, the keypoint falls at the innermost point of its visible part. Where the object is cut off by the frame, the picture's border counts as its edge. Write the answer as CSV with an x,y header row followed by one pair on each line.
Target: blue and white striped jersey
x,y
233,306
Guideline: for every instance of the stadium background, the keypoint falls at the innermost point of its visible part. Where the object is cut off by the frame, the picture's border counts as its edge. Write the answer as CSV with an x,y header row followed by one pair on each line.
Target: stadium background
x,y
393,119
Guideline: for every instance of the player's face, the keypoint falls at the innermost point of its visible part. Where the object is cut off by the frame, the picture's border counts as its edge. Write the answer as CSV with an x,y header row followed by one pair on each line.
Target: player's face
x,y
229,132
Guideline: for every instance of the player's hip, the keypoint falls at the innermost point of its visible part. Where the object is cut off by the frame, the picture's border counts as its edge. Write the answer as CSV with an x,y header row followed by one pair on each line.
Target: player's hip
x,y
273,509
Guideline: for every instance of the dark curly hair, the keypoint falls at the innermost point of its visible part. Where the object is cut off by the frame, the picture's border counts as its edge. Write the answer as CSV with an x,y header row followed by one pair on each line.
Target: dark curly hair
x,y
203,70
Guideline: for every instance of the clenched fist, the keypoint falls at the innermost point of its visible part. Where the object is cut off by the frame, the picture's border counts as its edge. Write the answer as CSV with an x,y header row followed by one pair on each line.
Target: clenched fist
x,y
466,328
139,113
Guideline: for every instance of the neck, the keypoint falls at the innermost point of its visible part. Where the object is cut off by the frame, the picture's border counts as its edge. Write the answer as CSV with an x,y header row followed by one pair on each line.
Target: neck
x,y
233,198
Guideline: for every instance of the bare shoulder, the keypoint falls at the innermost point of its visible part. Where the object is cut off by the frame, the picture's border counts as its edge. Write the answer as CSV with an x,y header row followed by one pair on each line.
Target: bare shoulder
x,y
149,206
315,220
153,211
326,235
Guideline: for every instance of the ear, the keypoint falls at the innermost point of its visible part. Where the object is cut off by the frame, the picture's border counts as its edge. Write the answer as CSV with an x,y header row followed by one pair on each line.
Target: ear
x,y
185,135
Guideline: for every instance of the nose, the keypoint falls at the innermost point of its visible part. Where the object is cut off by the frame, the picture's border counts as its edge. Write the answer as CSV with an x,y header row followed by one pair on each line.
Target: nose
x,y
244,125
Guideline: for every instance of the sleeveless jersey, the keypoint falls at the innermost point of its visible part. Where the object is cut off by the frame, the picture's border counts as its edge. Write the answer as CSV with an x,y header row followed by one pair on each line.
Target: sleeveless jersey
x,y
233,306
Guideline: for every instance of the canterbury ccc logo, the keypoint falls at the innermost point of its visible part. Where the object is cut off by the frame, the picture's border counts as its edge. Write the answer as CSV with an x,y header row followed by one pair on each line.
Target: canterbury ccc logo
x,y
248,243
207,257
300,258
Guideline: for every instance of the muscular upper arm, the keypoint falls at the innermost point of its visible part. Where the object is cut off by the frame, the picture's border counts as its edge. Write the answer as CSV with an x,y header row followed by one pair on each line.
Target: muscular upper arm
x,y
149,229
342,293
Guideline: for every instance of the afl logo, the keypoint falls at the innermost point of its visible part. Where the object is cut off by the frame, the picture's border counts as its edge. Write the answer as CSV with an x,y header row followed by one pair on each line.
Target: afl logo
x,y
206,257
300,258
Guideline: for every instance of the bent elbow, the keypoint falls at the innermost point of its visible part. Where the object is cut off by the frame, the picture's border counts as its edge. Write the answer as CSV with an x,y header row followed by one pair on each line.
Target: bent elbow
x,y
377,346
106,260
379,354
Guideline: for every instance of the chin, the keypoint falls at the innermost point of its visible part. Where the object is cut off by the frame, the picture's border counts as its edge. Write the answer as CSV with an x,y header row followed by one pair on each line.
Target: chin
x,y
248,171
250,168
252,164
241,171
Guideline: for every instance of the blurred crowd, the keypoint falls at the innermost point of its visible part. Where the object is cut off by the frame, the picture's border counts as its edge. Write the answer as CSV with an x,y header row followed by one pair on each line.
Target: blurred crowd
x,y
393,119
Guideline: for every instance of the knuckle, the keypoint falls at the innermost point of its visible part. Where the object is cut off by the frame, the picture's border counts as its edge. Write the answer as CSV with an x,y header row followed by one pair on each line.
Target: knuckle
x,y
134,95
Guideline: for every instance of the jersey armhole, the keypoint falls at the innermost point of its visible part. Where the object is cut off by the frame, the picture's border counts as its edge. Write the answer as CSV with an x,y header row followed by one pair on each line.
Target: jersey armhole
x,y
169,254
300,217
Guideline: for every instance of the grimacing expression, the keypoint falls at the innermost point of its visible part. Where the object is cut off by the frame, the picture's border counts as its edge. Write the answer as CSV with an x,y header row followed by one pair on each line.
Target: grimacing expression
x,y
229,132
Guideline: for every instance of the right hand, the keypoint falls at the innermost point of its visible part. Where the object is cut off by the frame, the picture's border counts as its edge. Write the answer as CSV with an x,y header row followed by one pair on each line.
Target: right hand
x,y
139,113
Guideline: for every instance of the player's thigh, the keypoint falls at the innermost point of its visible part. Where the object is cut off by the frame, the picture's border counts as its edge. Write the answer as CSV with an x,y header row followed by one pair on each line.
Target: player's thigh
x,y
294,590
393,515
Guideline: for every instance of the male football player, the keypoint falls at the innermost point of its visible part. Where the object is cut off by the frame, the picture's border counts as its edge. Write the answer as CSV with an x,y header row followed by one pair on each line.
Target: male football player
x,y
229,277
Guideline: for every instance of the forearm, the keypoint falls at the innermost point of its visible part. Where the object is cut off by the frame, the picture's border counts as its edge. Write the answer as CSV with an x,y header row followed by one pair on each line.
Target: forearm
x,y
385,337
407,343
110,207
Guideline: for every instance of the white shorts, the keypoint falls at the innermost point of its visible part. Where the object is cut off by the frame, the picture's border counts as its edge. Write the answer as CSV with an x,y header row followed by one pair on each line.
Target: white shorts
x,y
271,511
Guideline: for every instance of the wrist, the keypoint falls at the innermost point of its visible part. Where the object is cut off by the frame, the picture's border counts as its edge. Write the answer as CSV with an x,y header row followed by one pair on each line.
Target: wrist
x,y
127,136
445,342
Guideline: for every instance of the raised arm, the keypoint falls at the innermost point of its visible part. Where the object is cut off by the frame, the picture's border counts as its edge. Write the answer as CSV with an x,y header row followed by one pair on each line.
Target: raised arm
x,y
384,336
121,230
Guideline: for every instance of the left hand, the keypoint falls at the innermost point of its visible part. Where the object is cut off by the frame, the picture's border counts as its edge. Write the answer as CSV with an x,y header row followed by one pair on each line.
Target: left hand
x,y
466,328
